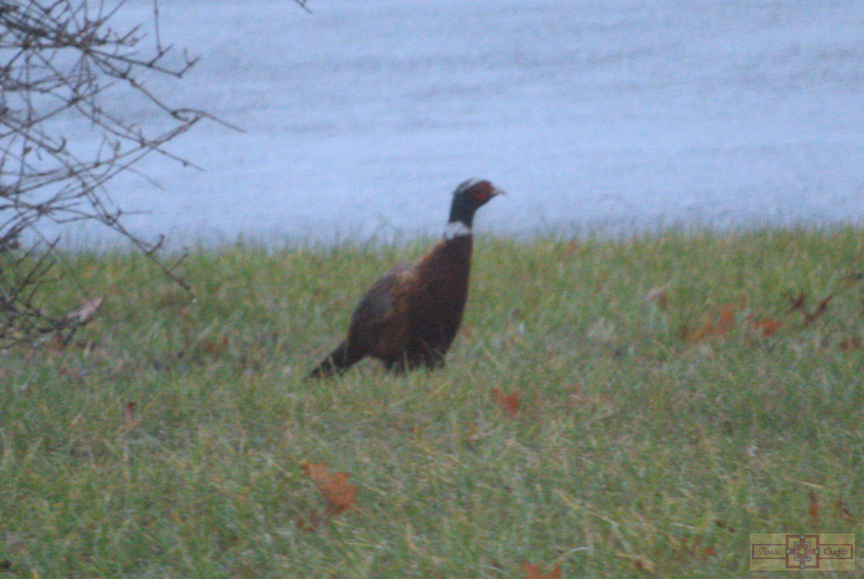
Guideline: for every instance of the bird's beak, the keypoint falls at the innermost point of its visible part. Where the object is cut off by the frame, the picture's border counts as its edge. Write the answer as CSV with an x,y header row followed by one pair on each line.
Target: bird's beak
x,y
496,191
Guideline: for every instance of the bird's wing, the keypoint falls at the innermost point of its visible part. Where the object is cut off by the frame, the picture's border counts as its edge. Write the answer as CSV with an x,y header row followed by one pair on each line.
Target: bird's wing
x,y
379,308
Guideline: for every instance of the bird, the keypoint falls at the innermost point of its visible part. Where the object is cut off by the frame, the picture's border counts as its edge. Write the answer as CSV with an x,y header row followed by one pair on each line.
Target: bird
x,y
409,317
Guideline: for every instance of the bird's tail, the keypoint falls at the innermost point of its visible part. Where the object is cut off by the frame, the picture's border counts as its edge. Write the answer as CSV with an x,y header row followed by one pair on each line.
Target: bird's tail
x,y
337,362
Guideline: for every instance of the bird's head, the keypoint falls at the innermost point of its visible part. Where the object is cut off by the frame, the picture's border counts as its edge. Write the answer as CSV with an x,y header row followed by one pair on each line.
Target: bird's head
x,y
468,197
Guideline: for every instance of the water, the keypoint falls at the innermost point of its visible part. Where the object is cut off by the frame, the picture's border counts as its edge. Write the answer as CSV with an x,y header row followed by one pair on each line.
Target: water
x,y
361,118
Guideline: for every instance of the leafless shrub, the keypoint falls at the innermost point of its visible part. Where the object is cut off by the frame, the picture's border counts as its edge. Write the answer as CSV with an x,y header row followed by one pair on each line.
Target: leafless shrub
x,y
58,60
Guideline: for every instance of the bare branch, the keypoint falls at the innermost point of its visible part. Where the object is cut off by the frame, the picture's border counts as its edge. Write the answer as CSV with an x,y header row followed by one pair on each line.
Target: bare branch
x,y
302,4
58,58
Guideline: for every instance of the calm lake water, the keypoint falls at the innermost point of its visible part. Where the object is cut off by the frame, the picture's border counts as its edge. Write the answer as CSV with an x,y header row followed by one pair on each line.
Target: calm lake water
x,y
362,117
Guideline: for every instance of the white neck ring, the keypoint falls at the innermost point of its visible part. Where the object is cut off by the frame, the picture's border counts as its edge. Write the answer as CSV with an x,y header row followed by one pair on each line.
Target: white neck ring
x,y
456,229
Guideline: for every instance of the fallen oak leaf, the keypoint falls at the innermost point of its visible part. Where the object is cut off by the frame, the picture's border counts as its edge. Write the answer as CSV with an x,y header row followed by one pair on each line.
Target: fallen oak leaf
x,y
725,322
814,506
216,347
74,320
509,403
85,313
317,472
644,564
129,420
533,572
337,491
473,436
767,326
658,295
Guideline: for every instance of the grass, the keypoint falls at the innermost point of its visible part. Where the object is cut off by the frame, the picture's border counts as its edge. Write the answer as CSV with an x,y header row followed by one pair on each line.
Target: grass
x,y
652,436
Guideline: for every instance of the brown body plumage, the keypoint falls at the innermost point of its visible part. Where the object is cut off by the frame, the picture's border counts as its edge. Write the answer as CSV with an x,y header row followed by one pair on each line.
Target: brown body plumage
x,y
410,316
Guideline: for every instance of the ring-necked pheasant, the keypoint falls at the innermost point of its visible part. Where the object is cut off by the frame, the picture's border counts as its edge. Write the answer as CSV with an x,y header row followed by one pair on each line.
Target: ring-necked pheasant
x,y
410,316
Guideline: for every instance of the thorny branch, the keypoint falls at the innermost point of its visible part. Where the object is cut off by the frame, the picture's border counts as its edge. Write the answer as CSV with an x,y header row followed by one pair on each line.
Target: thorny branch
x,y
58,60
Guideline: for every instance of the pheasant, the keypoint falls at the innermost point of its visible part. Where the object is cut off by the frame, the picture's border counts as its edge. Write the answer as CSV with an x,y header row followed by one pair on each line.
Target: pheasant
x,y
410,316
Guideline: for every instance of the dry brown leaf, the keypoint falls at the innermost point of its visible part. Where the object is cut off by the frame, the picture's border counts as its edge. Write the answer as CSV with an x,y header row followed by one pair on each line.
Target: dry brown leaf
x,y
644,564
533,572
724,324
473,436
726,321
216,347
337,491
658,295
129,420
814,507
86,312
767,326
509,403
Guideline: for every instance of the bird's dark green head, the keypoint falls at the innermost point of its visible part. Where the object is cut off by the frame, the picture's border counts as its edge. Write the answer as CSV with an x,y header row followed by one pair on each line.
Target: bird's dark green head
x,y
468,197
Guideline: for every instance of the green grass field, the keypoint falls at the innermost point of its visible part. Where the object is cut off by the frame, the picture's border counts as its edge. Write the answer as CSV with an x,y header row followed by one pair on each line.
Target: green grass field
x,y
651,435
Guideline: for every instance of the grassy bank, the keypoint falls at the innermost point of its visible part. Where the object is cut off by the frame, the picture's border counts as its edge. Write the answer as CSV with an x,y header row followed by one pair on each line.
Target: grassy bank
x,y
629,437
